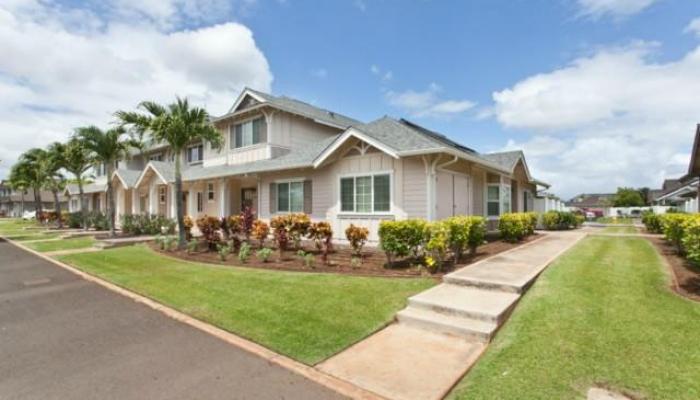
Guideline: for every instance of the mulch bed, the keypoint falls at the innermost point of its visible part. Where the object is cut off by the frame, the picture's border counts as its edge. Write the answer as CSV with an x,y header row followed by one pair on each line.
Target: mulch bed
x,y
373,260
686,275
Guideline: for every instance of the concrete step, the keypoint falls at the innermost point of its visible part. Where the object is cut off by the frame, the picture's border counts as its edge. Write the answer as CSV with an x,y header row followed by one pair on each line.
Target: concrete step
x,y
485,305
481,283
467,328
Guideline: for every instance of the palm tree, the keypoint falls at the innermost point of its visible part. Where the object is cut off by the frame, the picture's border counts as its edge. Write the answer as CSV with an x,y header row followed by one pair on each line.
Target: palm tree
x,y
55,181
19,181
33,165
77,160
107,147
178,125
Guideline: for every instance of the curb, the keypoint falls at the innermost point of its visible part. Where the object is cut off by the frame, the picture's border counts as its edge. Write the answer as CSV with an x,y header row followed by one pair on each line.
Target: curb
x,y
340,386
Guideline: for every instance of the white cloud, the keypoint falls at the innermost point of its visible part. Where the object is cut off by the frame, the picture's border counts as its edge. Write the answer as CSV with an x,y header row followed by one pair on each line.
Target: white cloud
x,y
320,73
613,8
694,27
383,75
611,119
55,76
427,103
360,4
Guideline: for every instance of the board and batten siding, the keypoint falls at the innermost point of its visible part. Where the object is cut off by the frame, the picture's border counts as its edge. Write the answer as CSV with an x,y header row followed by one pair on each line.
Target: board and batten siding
x,y
289,130
415,195
478,191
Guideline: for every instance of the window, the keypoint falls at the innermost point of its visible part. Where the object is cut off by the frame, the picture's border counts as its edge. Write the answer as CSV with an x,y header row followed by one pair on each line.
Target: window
x,y
74,204
290,196
195,154
200,202
498,200
100,169
365,194
493,201
210,192
161,194
156,157
247,133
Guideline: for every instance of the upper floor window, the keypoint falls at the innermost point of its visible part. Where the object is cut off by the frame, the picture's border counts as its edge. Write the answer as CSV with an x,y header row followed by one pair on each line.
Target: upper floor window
x,y
100,169
195,154
156,157
248,133
365,193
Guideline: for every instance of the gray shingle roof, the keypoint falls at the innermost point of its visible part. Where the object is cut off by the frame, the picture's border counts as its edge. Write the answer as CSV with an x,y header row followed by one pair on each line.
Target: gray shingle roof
x,y
305,109
129,176
396,135
506,159
302,157
165,169
87,188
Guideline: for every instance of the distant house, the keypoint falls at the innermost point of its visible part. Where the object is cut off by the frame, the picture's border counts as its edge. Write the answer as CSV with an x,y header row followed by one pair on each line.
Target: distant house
x,y
682,193
13,203
599,201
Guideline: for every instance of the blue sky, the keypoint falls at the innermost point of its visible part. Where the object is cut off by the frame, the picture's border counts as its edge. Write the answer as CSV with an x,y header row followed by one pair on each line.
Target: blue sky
x,y
599,93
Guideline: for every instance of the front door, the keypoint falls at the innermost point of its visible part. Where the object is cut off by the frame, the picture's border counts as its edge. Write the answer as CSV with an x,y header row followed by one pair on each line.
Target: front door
x,y
249,198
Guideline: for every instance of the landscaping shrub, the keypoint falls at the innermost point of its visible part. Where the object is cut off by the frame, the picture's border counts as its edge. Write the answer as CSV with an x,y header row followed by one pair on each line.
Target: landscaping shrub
x,y
244,252
561,220
188,223
247,220
192,246
322,235
402,238
165,242
477,233
437,245
513,226
260,231
691,238
224,250
209,227
580,219
263,254
357,236
299,224
458,229
75,220
98,220
147,224
652,222
673,229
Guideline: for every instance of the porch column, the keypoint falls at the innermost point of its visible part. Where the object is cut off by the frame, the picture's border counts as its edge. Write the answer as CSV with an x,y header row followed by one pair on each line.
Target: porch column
x,y
117,204
173,200
135,202
152,198
223,198
192,201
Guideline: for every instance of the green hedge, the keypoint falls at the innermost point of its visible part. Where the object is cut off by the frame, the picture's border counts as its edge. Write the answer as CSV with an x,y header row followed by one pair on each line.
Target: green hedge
x,y
561,220
147,224
436,242
652,222
514,227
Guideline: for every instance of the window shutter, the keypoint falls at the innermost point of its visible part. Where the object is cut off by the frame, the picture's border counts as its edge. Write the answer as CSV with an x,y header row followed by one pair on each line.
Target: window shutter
x,y
308,196
273,198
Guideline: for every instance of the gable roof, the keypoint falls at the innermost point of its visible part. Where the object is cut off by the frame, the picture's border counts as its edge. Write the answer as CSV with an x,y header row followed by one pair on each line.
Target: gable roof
x,y
293,106
128,177
591,200
164,170
72,188
693,166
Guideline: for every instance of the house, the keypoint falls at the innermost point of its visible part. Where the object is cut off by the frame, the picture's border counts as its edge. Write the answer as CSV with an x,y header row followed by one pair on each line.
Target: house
x,y
548,202
281,155
14,203
592,201
682,193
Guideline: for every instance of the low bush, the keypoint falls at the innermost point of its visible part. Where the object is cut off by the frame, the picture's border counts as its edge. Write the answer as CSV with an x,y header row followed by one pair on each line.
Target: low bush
x,y
260,231
188,223
209,227
192,246
98,220
674,229
561,220
652,222
437,245
357,236
402,238
247,219
691,238
146,224
513,227
263,254
322,235
75,220
224,250
244,252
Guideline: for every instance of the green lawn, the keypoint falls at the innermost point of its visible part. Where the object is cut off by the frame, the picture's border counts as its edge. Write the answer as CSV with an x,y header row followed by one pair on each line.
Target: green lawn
x,y
615,220
30,235
620,229
65,244
306,316
602,314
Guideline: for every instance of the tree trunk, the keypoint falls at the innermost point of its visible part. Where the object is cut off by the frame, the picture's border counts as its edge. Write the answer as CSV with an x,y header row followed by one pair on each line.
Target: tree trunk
x,y
110,202
83,209
178,204
37,201
57,208
22,204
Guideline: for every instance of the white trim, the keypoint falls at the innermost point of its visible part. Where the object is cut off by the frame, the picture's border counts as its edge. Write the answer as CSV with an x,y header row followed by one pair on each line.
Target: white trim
x,y
116,172
143,174
351,132
244,93
339,203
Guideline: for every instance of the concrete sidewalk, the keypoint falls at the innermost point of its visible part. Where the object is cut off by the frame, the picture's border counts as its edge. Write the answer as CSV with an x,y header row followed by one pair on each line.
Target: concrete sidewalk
x,y
444,330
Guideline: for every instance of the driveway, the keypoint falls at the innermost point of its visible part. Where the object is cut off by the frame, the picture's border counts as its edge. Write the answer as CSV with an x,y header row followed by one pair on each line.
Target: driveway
x,y
62,337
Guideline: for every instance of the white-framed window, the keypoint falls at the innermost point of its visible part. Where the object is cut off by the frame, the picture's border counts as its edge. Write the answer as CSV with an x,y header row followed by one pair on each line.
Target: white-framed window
x,y
498,199
100,169
365,193
74,204
200,202
156,157
162,194
210,192
247,133
195,154
290,196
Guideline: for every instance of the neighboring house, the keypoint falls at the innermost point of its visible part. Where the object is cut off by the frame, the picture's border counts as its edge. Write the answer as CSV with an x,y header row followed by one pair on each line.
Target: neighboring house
x,y
682,193
282,155
548,202
13,203
592,201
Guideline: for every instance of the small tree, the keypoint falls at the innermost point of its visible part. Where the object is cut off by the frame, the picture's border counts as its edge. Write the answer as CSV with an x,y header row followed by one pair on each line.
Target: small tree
x,y
77,160
627,197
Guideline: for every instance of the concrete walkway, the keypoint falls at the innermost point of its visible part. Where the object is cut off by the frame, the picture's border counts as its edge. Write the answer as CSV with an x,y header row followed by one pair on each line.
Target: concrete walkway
x,y
444,330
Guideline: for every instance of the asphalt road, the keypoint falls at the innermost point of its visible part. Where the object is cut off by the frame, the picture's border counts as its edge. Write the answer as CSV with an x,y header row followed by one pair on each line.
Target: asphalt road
x,y
62,337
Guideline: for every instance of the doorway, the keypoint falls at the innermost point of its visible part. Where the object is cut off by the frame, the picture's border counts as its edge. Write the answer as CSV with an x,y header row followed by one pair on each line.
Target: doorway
x,y
249,198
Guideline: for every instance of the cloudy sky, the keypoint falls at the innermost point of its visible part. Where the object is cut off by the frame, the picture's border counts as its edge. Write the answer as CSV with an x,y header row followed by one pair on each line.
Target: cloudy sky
x,y
599,93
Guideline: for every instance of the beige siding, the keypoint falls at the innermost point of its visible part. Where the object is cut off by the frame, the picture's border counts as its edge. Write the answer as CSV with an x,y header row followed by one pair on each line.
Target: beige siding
x,y
478,191
289,130
415,196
